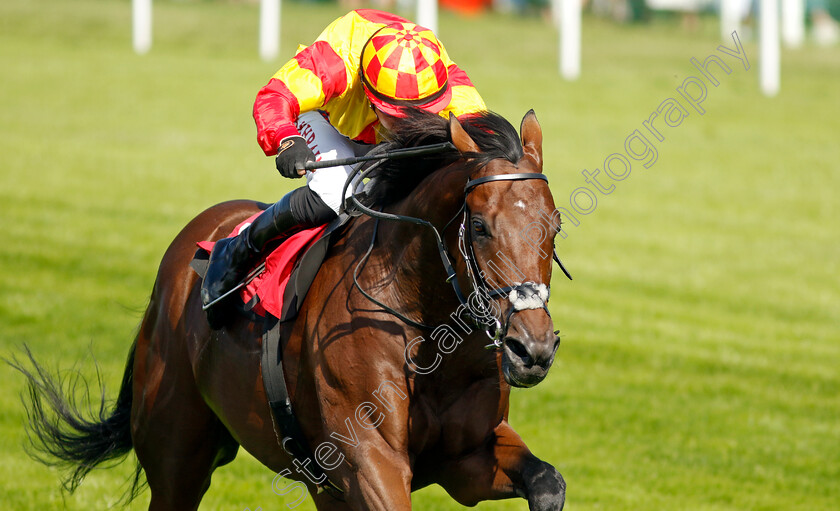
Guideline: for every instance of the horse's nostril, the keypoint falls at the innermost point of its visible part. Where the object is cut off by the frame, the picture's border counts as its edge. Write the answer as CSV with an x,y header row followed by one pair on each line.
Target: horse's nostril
x,y
519,349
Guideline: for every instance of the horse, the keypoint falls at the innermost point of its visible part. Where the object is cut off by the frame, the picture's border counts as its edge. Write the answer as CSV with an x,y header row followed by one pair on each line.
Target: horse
x,y
386,364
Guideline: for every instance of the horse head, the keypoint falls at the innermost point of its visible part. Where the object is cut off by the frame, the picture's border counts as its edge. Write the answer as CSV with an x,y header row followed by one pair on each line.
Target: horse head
x,y
491,182
507,242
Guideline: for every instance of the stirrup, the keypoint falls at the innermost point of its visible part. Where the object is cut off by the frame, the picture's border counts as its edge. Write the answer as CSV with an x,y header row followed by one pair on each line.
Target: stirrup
x,y
247,280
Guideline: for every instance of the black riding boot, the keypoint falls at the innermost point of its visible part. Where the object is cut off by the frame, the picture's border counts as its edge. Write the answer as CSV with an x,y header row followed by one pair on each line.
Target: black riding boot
x,y
232,258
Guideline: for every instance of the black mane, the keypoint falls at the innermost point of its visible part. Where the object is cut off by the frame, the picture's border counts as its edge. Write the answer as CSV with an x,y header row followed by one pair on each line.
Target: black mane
x,y
395,179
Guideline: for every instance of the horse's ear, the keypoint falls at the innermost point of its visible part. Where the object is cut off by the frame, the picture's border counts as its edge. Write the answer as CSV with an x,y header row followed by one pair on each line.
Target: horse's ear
x,y
531,134
460,138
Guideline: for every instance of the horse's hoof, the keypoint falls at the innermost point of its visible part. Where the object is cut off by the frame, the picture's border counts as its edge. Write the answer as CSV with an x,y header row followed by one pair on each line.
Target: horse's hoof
x,y
546,489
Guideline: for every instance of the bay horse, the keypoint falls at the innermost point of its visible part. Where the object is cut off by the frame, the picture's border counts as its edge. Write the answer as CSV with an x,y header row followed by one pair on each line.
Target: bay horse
x,y
391,398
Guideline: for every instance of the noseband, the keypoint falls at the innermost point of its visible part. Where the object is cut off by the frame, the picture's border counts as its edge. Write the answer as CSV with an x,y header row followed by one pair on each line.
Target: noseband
x,y
521,295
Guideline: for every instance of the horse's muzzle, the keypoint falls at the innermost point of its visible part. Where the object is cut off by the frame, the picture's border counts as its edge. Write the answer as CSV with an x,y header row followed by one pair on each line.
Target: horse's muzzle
x,y
525,361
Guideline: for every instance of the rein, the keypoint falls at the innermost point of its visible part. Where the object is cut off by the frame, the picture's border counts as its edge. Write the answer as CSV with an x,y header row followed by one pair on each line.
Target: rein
x,y
527,290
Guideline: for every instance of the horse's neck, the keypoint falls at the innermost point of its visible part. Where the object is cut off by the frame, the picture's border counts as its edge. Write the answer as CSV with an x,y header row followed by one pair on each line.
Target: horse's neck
x,y
410,277
410,250
416,286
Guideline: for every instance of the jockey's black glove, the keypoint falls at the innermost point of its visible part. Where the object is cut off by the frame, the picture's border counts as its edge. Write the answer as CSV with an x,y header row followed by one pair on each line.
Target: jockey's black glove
x,y
292,155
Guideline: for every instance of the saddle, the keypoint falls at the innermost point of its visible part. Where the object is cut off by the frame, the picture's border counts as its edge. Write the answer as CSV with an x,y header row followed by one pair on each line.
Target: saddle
x,y
279,281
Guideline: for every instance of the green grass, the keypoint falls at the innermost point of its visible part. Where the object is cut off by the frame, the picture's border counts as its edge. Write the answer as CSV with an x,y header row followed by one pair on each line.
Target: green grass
x,y
701,335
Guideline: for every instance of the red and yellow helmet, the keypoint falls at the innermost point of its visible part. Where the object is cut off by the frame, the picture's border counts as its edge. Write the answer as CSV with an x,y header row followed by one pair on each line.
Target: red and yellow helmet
x,y
402,66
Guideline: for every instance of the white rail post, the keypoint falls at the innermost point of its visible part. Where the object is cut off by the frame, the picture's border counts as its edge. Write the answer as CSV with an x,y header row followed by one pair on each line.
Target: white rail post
x,y
427,14
769,66
730,18
793,23
141,25
269,29
570,39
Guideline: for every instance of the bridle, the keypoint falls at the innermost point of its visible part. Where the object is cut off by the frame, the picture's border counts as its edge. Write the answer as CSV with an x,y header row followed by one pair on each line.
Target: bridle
x,y
533,295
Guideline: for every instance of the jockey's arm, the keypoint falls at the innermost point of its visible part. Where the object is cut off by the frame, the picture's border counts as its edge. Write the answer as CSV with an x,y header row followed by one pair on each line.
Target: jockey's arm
x,y
316,74
310,79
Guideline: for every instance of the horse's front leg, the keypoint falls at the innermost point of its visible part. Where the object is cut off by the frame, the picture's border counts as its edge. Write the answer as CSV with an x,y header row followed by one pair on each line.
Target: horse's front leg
x,y
376,477
504,468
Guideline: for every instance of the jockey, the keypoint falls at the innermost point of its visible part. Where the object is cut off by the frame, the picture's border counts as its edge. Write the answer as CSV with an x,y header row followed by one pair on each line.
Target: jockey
x,y
331,101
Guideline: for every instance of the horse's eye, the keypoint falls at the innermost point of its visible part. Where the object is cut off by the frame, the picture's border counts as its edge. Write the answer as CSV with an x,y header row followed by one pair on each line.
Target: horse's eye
x,y
479,227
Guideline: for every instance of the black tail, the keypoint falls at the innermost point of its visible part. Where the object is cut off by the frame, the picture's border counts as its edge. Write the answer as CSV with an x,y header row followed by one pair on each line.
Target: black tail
x,y
63,434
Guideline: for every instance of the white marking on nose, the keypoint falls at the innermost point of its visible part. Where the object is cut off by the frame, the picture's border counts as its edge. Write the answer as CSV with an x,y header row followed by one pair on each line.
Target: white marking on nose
x,y
520,204
528,295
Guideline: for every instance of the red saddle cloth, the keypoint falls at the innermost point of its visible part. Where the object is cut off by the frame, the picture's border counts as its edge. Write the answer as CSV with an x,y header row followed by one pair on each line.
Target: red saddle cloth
x,y
269,286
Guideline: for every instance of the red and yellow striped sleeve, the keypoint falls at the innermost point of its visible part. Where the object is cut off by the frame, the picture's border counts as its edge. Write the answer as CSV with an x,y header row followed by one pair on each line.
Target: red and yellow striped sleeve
x,y
310,79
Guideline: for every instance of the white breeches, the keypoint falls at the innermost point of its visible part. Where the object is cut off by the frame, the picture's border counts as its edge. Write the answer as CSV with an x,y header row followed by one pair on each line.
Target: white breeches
x,y
327,144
